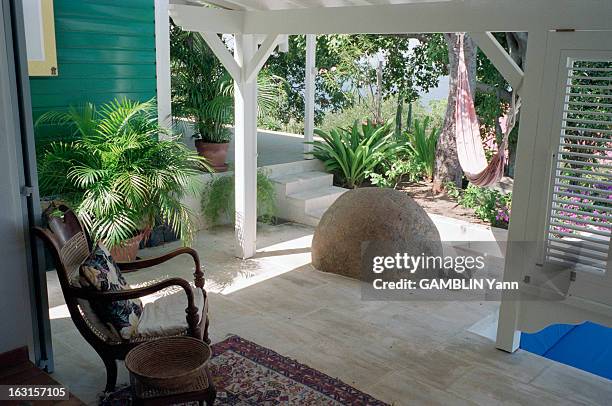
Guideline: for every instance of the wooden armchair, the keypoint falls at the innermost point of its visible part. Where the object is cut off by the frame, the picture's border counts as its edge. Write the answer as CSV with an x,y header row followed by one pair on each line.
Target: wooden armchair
x,y
68,242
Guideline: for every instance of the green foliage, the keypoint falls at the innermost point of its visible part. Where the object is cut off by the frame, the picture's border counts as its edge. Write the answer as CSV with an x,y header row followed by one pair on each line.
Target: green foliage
x,y
201,87
118,177
391,173
346,76
218,198
489,204
422,145
435,110
203,91
352,153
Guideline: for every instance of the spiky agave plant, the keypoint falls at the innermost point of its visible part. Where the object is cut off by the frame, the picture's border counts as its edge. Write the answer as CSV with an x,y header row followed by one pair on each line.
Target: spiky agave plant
x,y
351,153
422,145
119,175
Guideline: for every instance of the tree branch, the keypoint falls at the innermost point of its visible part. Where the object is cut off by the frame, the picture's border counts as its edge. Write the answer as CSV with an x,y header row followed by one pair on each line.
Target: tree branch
x,y
502,94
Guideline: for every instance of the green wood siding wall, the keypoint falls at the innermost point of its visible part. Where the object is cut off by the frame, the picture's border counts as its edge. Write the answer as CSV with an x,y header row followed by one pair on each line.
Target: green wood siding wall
x,y
105,50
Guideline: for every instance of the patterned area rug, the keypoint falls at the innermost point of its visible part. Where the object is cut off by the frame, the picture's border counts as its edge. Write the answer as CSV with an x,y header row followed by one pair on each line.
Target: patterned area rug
x,y
248,374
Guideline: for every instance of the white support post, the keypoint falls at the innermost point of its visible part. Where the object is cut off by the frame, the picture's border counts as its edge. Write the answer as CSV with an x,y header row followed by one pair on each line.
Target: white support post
x,y
309,93
245,145
508,335
162,62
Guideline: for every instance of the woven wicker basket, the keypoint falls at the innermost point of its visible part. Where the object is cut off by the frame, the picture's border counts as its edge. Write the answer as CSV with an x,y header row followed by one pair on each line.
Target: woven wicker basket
x,y
168,363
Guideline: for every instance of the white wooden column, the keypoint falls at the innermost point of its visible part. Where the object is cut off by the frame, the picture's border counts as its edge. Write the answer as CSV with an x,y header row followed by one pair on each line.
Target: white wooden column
x,y
245,146
309,92
508,335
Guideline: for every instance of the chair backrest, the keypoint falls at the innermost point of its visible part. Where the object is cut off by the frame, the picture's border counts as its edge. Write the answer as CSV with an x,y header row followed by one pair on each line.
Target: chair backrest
x,y
70,246
68,240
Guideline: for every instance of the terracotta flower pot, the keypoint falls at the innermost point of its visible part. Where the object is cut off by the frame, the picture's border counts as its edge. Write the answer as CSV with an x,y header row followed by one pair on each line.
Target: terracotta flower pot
x,y
214,153
128,250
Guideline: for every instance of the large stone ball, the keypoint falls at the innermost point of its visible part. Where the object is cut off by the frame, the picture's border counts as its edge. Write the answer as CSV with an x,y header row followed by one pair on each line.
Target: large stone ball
x,y
389,219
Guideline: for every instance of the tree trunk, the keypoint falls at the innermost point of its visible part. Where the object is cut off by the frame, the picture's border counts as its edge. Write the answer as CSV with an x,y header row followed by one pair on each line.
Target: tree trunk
x,y
379,79
398,117
447,167
409,118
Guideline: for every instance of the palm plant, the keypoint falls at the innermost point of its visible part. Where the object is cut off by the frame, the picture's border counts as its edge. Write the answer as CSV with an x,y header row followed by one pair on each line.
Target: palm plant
x,y
203,91
117,175
354,152
422,145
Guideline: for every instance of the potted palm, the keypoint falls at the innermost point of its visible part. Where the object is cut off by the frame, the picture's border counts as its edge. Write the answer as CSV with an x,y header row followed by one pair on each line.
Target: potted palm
x,y
122,173
202,95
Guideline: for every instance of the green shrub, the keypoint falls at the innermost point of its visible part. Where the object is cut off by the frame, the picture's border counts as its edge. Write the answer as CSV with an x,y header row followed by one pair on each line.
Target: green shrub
x,y
392,173
422,145
352,153
218,198
489,204
117,176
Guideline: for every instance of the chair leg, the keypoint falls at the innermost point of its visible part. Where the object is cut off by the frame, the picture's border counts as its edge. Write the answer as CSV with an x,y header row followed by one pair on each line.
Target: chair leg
x,y
206,338
111,374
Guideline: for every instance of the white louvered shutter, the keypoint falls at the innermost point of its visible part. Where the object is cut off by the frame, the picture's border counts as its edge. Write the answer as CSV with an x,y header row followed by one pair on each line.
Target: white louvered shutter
x,y
580,208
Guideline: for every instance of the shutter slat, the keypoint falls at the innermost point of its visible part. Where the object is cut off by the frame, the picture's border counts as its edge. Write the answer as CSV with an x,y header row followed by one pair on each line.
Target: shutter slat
x,y
584,213
583,138
588,104
566,169
586,121
577,260
586,180
584,205
583,155
581,146
586,130
594,198
585,221
577,250
555,223
582,163
580,244
588,113
589,69
589,87
589,95
583,189
595,78
593,240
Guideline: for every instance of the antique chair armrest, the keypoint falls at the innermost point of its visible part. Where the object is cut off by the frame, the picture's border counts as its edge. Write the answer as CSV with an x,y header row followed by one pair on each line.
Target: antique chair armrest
x,y
191,310
149,262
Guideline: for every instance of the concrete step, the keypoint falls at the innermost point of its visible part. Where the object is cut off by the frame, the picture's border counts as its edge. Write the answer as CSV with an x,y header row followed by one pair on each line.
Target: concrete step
x,y
315,199
297,182
305,165
317,214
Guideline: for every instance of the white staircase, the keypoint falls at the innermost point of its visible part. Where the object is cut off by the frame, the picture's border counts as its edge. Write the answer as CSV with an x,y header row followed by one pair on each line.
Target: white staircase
x,y
303,191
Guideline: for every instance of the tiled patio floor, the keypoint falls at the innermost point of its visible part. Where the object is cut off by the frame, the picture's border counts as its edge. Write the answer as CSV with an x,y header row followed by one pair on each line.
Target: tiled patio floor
x,y
408,353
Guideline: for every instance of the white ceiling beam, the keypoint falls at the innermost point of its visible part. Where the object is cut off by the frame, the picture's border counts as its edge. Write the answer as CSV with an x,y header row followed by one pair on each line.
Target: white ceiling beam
x,y
226,4
261,56
218,47
207,19
464,16
500,58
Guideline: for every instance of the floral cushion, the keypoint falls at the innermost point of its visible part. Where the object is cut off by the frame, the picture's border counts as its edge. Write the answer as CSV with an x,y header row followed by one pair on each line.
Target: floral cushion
x,y
100,272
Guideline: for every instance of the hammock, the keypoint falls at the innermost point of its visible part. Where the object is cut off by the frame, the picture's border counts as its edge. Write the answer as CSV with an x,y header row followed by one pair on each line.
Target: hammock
x,y
467,132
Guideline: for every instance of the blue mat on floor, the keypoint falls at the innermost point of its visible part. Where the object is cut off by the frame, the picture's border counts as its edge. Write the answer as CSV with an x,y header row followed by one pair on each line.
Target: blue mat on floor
x,y
587,346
